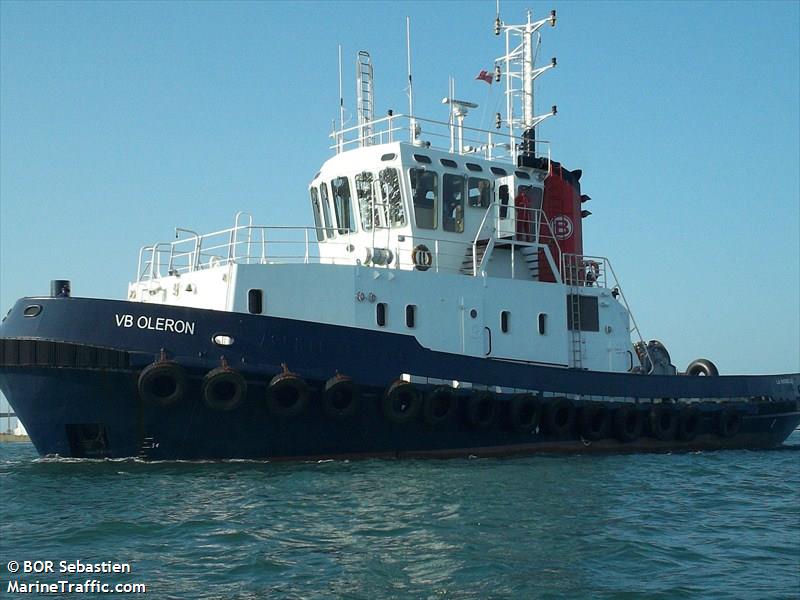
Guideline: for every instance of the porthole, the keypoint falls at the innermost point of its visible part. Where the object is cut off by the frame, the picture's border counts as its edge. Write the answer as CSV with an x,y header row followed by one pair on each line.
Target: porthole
x,y
474,167
499,171
448,163
473,313
505,317
32,310
542,323
390,156
522,175
422,158
380,314
222,339
255,302
411,315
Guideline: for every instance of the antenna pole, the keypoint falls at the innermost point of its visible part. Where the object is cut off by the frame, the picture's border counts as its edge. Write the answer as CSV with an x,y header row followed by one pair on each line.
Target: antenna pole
x,y
341,102
527,75
411,120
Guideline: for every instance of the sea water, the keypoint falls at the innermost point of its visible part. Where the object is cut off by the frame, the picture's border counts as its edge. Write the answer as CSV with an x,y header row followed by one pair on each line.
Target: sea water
x,y
698,525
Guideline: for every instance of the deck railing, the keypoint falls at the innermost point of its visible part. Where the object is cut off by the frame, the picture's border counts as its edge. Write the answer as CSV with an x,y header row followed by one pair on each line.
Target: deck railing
x,y
491,144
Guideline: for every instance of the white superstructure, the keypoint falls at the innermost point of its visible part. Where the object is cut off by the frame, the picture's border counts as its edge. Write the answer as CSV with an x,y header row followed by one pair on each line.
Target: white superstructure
x,y
419,230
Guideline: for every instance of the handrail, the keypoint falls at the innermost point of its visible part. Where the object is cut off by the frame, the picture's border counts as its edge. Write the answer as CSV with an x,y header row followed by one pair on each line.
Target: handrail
x,y
248,244
482,142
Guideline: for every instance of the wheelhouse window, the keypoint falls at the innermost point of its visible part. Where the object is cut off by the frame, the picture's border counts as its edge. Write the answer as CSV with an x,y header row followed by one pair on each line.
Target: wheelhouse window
x,y
424,190
453,203
326,211
392,200
365,201
342,205
535,195
317,214
479,192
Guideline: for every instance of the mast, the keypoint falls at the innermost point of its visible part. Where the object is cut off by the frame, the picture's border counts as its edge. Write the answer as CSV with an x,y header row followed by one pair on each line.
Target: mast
x,y
520,73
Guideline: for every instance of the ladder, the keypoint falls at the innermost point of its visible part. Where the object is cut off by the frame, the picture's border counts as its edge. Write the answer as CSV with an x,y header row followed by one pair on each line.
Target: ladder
x,y
364,95
576,336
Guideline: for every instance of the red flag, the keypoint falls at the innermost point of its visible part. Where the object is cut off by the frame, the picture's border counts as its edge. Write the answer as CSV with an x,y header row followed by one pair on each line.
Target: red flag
x,y
485,76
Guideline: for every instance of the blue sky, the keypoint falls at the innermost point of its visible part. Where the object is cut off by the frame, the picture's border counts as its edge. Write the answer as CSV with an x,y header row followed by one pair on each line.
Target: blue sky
x,y
119,121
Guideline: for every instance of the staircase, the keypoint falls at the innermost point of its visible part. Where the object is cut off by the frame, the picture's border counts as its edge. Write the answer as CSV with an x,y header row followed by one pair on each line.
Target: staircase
x,y
531,254
480,251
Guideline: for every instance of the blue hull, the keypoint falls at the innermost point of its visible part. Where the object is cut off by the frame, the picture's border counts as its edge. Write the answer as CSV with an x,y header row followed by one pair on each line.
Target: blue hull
x,y
72,371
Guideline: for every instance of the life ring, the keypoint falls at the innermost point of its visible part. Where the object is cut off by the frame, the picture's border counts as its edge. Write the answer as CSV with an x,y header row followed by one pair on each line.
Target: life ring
x,y
481,409
401,402
223,388
559,416
702,366
341,396
729,422
422,257
525,413
688,423
287,394
663,421
439,405
595,421
627,423
162,382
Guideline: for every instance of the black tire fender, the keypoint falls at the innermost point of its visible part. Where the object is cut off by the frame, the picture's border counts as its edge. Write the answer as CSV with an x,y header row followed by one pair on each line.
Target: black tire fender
x,y
401,402
729,422
163,383
663,421
341,397
595,421
559,415
439,405
223,389
287,395
688,423
481,410
627,423
702,366
525,413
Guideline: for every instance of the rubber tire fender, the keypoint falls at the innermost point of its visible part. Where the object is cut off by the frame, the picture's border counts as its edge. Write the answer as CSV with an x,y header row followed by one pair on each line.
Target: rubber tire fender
x,y
481,410
663,421
688,423
525,413
559,416
627,423
226,398
401,402
338,388
433,402
595,421
729,422
702,366
287,395
155,376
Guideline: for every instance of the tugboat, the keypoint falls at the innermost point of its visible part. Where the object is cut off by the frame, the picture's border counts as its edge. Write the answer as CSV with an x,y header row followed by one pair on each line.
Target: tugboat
x,y
442,305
